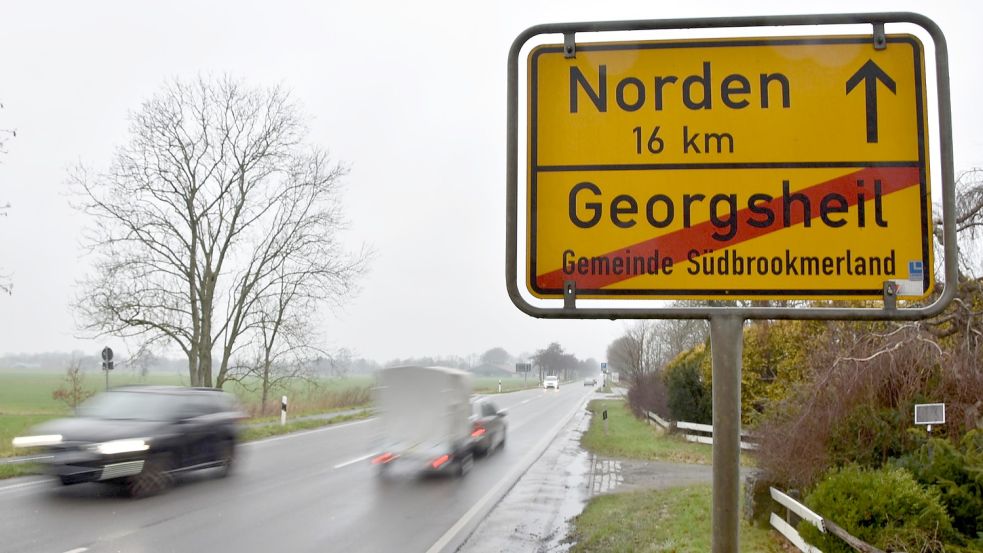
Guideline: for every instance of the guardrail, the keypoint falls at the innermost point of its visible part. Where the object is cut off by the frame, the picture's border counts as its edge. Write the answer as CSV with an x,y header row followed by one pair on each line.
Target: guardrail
x,y
705,430
825,526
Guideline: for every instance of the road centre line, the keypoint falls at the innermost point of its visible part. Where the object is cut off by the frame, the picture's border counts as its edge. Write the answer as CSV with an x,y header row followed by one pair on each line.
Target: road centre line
x,y
353,461
306,432
509,481
78,550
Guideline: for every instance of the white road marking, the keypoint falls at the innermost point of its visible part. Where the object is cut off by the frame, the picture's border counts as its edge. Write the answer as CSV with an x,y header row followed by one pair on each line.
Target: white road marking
x,y
25,459
509,480
525,402
78,550
353,461
22,485
306,432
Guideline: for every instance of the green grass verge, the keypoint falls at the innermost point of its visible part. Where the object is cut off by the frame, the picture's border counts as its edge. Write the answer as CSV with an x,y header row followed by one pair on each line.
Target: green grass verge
x,y
630,438
676,520
485,385
20,469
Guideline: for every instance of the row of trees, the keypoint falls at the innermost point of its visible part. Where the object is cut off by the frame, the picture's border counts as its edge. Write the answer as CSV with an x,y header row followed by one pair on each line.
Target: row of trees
x,y
551,360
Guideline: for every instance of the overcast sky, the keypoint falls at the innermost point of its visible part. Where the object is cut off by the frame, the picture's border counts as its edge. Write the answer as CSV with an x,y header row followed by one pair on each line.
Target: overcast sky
x,y
411,95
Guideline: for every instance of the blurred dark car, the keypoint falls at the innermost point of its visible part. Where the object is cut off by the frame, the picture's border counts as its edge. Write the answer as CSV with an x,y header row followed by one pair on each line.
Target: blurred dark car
x,y
141,436
488,426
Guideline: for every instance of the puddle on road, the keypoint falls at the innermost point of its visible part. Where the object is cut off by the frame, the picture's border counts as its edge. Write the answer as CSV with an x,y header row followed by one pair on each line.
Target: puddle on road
x,y
535,514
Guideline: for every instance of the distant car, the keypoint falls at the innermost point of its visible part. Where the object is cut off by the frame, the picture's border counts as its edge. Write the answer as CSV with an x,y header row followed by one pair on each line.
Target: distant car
x,y
141,436
590,382
551,382
488,426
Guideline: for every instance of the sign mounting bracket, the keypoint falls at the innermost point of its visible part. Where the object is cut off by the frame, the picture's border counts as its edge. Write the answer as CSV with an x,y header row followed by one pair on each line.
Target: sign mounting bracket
x,y
570,45
880,39
570,294
890,296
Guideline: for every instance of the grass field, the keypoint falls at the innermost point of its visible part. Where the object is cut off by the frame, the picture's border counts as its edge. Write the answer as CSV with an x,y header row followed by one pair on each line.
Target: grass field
x,y
25,397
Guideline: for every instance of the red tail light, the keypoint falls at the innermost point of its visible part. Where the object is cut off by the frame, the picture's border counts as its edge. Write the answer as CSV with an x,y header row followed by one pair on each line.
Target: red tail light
x,y
478,431
382,459
439,461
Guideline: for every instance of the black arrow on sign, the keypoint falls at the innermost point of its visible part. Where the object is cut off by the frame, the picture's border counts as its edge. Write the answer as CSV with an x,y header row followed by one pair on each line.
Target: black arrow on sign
x,y
870,73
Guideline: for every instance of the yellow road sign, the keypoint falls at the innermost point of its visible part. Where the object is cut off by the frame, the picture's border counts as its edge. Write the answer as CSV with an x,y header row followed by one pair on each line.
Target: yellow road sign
x,y
741,168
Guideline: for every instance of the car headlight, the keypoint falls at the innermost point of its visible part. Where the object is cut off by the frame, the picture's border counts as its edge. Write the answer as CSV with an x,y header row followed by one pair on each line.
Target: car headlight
x,y
122,446
37,441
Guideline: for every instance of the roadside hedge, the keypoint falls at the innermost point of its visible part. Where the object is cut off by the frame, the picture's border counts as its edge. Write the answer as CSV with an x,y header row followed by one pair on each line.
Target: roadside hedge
x,y
886,508
956,475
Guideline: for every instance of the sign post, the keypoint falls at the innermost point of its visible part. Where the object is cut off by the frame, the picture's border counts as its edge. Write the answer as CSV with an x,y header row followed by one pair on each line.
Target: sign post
x,y
766,168
107,363
726,345
523,368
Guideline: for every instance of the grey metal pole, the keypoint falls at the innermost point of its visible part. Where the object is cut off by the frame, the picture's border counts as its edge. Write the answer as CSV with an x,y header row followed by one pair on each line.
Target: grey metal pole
x,y
726,343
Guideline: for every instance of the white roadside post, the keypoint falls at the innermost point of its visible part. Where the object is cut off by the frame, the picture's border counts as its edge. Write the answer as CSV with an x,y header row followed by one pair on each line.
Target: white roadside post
x,y
499,385
283,410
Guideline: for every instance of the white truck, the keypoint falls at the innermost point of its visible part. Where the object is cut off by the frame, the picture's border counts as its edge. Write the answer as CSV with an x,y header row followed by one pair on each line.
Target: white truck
x,y
425,413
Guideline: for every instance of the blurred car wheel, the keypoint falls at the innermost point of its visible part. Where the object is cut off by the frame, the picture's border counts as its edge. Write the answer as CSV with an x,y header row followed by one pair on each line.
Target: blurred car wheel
x,y
465,463
226,458
154,478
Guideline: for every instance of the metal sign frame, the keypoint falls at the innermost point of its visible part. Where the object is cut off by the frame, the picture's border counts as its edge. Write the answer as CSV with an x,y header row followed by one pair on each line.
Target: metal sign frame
x,y
889,311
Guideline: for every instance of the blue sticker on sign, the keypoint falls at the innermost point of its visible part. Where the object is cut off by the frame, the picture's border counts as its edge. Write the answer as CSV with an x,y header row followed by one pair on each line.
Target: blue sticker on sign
x,y
915,270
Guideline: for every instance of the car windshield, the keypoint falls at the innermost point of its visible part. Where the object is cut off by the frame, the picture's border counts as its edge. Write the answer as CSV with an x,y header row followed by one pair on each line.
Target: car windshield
x,y
128,405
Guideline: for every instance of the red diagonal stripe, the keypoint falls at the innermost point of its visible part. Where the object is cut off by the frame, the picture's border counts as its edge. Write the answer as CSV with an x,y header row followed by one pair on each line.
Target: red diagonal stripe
x,y
676,244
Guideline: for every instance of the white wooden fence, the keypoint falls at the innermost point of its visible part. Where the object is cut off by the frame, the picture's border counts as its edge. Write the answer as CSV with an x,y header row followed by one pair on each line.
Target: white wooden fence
x,y
705,430
824,525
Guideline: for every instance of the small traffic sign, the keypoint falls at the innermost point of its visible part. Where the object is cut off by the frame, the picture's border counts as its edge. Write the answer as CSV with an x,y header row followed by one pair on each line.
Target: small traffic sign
x,y
107,353
739,168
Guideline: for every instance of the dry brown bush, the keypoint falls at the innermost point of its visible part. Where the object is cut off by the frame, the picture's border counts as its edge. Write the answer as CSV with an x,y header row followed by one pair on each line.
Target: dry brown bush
x,y
856,403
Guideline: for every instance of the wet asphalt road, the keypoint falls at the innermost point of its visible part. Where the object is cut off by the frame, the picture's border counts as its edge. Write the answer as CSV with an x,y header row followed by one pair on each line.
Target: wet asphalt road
x,y
311,491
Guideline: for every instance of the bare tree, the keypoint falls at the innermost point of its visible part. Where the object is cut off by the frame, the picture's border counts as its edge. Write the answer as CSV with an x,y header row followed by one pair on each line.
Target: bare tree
x,y
282,333
214,200
646,346
72,391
